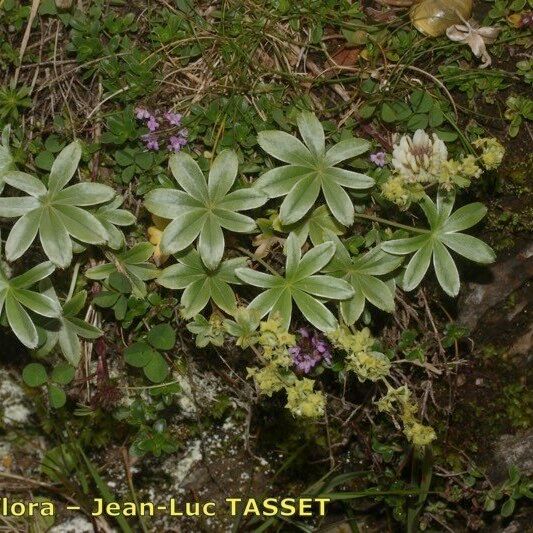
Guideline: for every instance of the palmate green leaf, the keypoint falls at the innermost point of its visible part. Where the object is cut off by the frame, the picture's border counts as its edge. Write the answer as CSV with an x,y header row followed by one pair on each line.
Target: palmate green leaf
x,y
133,264
56,212
201,284
67,329
17,299
311,169
301,284
204,207
361,273
110,216
434,243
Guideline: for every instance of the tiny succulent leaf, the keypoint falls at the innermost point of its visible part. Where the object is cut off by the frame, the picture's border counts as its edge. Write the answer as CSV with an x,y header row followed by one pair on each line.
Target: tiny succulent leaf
x,y
204,207
311,169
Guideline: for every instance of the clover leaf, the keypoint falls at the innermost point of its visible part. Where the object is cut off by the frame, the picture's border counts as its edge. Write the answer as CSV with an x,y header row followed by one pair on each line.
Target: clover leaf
x,y
301,284
311,169
66,329
361,273
16,298
55,212
144,353
202,284
203,207
133,264
434,243
35,375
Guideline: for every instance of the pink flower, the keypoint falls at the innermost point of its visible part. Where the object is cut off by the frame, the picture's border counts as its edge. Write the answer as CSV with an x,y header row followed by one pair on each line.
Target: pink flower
x,y
176,143
151,141
378,158
142,113
173,118
152,123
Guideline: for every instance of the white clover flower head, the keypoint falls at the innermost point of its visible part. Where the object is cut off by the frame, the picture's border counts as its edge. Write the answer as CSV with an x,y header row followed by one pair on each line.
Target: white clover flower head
x,y
418,159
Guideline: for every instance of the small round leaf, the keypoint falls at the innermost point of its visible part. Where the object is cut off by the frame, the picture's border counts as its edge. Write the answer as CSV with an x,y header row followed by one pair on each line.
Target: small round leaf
x,y
34,375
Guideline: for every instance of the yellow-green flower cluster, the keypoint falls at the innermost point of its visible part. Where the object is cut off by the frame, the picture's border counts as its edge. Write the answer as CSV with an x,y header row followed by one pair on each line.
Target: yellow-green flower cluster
x,y
302,400
275,375
398,401
360,358
492,152
398,191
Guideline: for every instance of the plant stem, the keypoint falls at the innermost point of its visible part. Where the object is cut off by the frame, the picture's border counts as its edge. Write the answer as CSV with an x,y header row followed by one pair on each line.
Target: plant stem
x,y
73,281
391,223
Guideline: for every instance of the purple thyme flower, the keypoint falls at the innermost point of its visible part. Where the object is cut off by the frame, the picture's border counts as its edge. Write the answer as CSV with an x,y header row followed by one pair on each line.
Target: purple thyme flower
x,y
310,350
151,141
176,143
173,119
378,158
152,123
142,113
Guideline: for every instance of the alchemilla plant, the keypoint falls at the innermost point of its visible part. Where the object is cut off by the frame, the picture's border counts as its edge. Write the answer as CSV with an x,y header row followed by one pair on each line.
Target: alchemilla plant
x,y
302,305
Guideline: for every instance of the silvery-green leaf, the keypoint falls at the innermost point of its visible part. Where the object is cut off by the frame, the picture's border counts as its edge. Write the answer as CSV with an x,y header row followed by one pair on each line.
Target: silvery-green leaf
x,y
417,267
445,269
280,180
211,243
314,311
264,302
293,256
55,239
81,224
283,308
377,293
465,217
189,175
315,259
469,247
169,203
325,287
22,234
338,202
257,279
182,231
83,194
405,246
299,200
64,167
141,252
347,149
285,147
352,309
222,295
312,132
38,303
25,182
195,297
20,322
243,200
16,207
33,275
222,174
234,221
178,276
349,179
